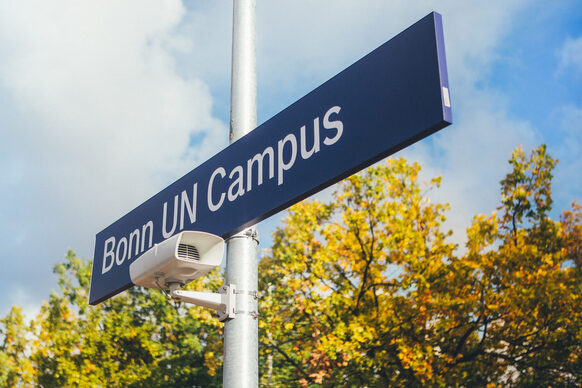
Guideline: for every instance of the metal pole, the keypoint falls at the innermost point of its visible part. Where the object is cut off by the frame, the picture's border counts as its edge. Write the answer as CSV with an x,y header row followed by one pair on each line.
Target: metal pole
x,y
241,367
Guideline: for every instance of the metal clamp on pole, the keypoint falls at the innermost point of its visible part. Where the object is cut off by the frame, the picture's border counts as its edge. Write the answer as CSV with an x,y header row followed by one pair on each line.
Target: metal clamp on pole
x,y
248,233
254,294
224,302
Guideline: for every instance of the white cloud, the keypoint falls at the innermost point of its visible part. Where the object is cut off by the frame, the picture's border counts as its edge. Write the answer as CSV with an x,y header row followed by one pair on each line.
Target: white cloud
x,y
303,43
209,24
568,152
95,120
571,55
471,156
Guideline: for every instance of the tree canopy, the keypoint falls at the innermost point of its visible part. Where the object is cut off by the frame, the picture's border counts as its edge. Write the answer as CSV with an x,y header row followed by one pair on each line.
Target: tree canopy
x,y
138,338
365,289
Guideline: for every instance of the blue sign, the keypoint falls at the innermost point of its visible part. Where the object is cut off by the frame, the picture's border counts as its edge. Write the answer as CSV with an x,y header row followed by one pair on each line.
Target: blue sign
x,y
391,98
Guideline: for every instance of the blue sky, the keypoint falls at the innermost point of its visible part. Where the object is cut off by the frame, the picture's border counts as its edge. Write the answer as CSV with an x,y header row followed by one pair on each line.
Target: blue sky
x,y
103,104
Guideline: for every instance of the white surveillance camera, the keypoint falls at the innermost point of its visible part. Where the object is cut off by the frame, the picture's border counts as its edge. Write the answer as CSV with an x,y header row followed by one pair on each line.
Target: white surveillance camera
x,y
179,259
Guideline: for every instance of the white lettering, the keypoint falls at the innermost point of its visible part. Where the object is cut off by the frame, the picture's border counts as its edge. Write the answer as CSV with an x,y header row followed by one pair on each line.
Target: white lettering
x,y
238,182
122,241
149,225
165,233
284,166
133,236
259,159
337,125
211,204
116,252
190,206
304,153
108,252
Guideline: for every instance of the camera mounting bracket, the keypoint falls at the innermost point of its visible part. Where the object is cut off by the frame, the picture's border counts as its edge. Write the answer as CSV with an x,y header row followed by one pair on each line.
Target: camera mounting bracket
x,y
223,302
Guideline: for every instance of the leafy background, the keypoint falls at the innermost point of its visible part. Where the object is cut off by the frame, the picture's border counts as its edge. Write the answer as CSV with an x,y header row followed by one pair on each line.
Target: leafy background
x,y
363,290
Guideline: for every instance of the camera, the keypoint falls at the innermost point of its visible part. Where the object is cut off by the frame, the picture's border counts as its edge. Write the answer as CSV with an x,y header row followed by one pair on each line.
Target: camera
x,y
179,259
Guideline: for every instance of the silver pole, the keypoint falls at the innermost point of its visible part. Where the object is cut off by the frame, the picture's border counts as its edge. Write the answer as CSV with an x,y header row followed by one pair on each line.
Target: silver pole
x,y
241,367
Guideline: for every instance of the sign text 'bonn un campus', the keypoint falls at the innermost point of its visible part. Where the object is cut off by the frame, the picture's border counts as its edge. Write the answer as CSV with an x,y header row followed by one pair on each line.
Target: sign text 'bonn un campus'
x,y
389,99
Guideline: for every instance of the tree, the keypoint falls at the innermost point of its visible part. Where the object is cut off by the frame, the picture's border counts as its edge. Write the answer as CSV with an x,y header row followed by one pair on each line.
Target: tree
x,y
526,269
366,291
15,367
138,338
352,302
362,290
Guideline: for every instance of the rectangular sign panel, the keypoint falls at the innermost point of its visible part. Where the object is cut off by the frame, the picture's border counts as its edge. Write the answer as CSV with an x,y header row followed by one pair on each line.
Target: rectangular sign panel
x,y
391,98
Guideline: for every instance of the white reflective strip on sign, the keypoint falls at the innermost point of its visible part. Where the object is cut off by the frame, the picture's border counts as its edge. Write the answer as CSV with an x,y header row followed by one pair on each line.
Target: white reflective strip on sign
x,y
446,97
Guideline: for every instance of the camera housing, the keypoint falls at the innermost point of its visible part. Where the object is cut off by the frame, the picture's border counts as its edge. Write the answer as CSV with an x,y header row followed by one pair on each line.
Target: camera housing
x,y
179,259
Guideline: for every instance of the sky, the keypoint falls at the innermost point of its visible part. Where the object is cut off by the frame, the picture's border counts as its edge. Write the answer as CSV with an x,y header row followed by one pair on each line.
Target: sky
x,y
103,104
